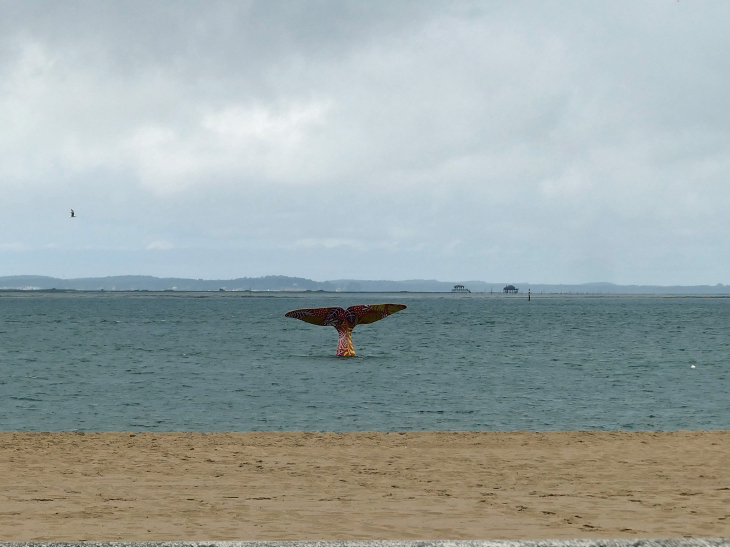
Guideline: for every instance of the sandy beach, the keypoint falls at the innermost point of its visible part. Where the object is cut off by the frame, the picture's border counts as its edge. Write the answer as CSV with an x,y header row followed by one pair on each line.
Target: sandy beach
x,y
432,485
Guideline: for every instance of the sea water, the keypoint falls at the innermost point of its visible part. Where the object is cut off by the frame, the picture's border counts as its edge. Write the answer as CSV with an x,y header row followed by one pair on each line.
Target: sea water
x,y
233,362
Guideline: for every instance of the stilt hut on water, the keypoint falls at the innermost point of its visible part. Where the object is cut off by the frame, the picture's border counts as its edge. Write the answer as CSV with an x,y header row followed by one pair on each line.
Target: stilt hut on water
x,y
460,288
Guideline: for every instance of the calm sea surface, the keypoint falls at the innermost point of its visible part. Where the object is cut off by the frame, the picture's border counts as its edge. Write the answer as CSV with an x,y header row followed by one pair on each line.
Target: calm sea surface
x,y
232,362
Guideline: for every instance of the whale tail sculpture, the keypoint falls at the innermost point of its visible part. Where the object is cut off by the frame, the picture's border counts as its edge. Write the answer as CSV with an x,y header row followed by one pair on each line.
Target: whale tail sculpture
x,y
345,320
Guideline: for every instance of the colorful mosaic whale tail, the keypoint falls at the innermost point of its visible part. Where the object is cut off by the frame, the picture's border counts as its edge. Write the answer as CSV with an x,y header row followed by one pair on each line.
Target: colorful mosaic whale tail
x,y
345,320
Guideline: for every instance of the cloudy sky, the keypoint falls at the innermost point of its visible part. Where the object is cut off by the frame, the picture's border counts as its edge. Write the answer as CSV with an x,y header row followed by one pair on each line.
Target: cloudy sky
x,y
541,142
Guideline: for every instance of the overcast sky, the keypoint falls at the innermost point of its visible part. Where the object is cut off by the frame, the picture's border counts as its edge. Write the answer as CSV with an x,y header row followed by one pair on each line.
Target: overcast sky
x,y
541,142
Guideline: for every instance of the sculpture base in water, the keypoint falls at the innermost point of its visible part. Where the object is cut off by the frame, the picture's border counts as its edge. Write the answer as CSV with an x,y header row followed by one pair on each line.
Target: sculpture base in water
x,y
344,341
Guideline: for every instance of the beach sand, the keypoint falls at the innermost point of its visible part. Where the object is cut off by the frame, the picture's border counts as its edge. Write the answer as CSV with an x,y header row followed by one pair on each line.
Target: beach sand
x,y
432,485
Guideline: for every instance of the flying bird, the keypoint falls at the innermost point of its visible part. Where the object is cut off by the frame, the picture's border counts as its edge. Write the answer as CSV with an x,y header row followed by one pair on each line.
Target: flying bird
x,y
345,320
73,215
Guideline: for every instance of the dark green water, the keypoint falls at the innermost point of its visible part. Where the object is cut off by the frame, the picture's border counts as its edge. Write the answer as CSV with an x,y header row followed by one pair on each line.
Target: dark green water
x,y
231,362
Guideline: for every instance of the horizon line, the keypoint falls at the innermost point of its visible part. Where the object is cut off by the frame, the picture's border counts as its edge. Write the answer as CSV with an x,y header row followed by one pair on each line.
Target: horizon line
x,y
382,280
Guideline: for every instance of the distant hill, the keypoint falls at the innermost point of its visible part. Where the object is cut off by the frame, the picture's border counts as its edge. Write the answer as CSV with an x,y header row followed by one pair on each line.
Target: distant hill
x,y
147,282
284,283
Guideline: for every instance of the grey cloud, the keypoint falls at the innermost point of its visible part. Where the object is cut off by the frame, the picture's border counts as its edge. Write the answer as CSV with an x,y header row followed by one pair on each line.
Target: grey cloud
x,y
549,142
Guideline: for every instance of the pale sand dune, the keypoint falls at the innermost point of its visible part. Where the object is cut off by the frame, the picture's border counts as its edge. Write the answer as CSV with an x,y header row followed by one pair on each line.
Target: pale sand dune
x,y
165,486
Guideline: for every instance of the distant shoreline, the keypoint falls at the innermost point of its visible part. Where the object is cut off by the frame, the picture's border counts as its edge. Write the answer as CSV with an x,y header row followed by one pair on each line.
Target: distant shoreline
x,y
328,294
278,283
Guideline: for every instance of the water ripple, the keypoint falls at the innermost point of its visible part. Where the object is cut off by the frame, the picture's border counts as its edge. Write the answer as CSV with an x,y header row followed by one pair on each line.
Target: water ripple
x,y
236,364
